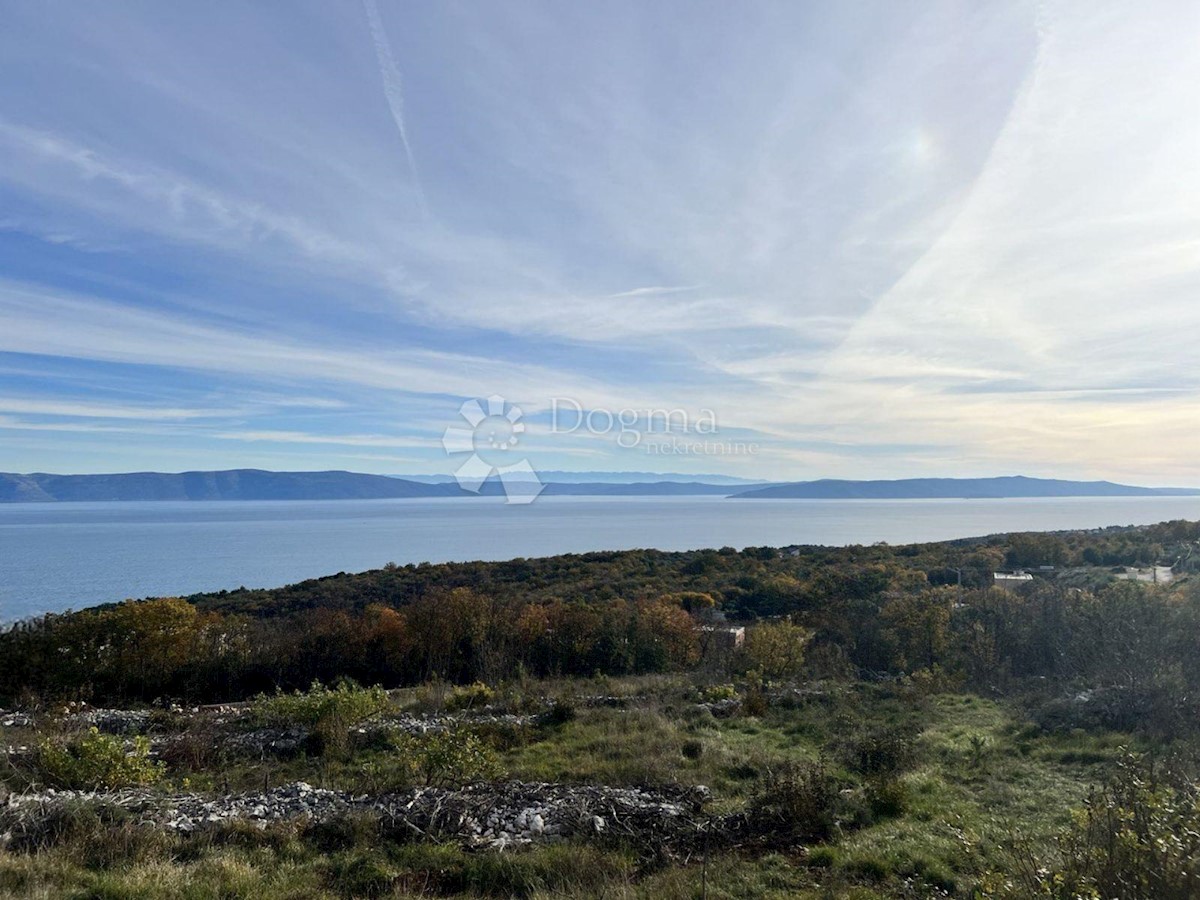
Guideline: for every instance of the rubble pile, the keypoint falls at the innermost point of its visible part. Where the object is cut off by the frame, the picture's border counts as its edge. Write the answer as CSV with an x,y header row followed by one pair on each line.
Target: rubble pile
x,y
15,719
268,741
488,815
113,721
282,741
422,724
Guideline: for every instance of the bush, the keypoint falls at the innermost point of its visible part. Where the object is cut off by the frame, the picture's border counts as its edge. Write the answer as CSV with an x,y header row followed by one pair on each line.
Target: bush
x,y
754,702
562,712
97,836
777,648
878,753
471,696
97,761
1137,838
440,759
715,693
344,832
887,798
329,713
797,803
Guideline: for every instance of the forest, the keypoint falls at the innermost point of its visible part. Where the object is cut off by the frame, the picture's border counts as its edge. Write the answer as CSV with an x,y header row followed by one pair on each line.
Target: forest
x,y
877,611
894,724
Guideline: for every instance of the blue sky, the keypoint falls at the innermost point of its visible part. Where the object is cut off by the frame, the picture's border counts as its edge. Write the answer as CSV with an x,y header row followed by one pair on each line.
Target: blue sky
x,y
875,239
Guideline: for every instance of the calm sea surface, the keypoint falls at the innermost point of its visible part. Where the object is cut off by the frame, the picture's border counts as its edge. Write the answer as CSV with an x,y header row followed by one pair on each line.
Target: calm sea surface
x,y
55,556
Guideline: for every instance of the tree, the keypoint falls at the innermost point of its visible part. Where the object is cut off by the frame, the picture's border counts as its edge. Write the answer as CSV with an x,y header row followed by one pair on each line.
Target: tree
x,y
776,649
918,627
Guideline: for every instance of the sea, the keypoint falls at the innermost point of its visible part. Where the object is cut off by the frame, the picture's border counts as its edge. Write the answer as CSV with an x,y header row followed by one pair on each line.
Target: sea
x,y
58,556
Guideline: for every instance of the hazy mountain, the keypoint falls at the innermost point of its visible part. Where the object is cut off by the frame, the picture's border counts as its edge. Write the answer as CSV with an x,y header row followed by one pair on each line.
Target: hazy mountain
x,y
954,488
255,484
234,484
638,489
596,478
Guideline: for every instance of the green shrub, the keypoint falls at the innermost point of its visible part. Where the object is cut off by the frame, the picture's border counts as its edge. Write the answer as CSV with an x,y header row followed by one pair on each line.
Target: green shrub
x,y
715,693
797,803
776,649
97,761
755,703
887,797
439,759
562,712
343,832
472,696
329,713
878,753
1137,838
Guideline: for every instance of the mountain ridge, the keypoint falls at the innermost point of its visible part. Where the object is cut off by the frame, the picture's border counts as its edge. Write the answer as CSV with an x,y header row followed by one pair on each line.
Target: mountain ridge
x,y
261,484
996,488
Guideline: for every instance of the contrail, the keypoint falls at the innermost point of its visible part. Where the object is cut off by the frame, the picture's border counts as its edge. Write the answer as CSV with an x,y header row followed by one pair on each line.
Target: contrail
x,y
393,90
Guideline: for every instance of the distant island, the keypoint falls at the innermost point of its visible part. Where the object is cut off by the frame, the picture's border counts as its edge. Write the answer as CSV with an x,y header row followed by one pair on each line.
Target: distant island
x,y
234,484
1011,486
257,484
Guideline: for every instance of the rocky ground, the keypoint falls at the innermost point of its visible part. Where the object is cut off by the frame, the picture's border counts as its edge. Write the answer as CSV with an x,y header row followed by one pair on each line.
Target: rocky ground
x,y
491,816
232,726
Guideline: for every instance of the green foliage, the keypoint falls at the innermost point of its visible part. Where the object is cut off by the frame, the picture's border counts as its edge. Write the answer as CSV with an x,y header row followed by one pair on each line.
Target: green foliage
x,y
798,803
97,761
562,712
851,610
363,873
776,649
471,696
347,703
1029,550
435,758
880,752
715,693
1137,838
754,699
95,836
928,831
329,713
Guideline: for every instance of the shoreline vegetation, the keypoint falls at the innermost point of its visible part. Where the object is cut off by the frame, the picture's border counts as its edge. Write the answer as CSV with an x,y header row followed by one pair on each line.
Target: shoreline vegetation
x,y
865,722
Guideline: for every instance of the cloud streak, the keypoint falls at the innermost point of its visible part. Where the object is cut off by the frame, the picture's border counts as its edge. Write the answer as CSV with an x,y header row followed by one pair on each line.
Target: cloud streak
x,y
924,240
393,90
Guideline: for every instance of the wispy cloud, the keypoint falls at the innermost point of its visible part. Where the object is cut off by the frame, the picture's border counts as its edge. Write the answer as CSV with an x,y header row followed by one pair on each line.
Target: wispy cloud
x,y
950,239
393,89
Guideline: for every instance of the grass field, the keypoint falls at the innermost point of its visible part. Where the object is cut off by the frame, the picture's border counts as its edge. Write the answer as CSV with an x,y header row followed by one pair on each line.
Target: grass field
x,y
928,791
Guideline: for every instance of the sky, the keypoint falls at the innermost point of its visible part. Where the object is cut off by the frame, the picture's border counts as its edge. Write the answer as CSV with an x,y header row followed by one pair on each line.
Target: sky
x,y
863,240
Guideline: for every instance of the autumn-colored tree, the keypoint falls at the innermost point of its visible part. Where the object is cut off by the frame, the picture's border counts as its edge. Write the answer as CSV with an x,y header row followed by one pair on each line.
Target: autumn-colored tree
x,y
388,641
667,637
776,649
918,625
147,644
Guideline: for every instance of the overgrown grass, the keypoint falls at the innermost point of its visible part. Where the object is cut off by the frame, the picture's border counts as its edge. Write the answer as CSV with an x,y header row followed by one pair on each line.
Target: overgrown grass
x,y
927,790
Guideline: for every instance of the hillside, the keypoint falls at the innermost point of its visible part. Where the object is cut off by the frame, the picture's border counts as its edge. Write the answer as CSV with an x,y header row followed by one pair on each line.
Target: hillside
x,y
874,722
953,489
234,484
256,484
